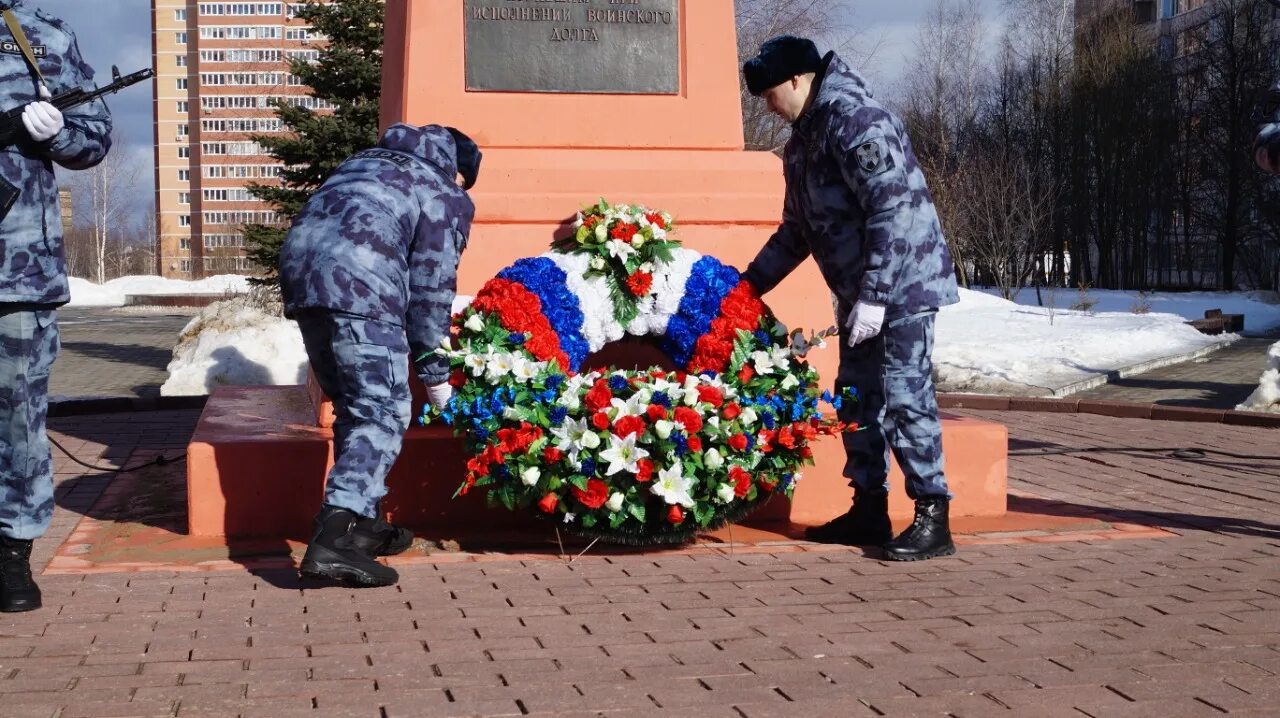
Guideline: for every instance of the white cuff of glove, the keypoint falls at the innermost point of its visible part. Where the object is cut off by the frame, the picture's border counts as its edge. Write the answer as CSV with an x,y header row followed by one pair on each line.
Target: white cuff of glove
x,y
42,120
438,395
864,322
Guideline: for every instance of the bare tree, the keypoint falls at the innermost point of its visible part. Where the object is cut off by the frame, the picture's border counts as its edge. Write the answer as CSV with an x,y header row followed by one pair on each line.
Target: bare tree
x,y
108,197
825,22
1009,213
945,82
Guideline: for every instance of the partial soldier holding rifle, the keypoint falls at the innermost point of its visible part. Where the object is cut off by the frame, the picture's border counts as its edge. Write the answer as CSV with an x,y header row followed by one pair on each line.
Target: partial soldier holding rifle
x,y
54,120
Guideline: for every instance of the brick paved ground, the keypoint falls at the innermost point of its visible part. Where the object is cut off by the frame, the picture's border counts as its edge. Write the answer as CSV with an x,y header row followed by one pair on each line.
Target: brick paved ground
x,y
1183,626
115,352
1220,380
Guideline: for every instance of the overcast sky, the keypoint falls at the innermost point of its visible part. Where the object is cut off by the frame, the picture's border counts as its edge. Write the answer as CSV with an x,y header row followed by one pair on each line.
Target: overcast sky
x,y
119,32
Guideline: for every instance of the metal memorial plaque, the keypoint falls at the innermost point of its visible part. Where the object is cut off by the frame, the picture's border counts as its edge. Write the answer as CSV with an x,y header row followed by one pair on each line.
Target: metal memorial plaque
x,y
573,46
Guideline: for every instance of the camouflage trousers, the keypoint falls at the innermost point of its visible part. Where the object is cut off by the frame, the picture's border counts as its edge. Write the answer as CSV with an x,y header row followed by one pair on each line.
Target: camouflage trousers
x,y
28,346
897,407
362,365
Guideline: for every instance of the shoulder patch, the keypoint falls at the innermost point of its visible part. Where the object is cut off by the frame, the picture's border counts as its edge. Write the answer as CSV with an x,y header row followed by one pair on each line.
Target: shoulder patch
x,y
869,158
399,159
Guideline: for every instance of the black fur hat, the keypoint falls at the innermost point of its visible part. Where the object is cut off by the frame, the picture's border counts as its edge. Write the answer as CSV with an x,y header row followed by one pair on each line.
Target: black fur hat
x,y
779,60
469,155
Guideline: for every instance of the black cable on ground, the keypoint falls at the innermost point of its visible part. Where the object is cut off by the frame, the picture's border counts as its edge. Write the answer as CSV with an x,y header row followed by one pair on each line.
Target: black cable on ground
x,y
158,461
1177,452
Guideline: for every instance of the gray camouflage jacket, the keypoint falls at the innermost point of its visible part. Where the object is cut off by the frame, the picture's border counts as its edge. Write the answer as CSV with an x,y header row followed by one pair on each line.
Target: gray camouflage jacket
x,y
857,201
1269,136
382,239
35,267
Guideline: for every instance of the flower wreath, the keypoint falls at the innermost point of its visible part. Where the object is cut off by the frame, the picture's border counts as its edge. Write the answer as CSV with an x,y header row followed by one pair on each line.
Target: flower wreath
x,y
647,456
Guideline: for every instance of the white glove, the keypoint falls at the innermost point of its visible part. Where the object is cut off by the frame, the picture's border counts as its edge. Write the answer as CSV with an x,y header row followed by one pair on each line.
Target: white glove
x,y
439,394
42,120
864,322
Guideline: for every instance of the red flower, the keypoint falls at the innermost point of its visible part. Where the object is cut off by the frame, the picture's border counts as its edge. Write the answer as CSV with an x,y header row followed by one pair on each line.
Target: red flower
x,y
552,455
787,438
590,221
741,481
711,395
595,495
628,425
656,412
640,283
549,503
746,373
695,443
600,420
675,515
691,419
768,482
731,411
656,218
806,452
645,475
599,397
738,442
457,378
624,231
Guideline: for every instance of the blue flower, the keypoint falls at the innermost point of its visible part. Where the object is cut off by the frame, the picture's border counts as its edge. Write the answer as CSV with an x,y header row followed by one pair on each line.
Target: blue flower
x,y
588,467
555,381
617,383
661,399
768,420
503,471
516,338
558,414
682,444
763,337
480,433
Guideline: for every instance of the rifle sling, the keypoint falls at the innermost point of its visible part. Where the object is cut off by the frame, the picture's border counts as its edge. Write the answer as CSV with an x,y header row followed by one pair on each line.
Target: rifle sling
x,y
16,30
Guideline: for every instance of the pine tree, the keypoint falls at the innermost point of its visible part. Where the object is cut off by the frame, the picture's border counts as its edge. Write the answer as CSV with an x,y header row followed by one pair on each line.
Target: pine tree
x,y
348,75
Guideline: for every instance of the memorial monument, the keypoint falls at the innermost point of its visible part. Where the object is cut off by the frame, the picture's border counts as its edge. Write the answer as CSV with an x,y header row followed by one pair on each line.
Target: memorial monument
x,y
572,101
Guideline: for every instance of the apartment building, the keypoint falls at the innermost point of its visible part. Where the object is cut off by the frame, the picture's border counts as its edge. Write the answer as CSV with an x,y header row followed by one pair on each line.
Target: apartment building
x,y
217,65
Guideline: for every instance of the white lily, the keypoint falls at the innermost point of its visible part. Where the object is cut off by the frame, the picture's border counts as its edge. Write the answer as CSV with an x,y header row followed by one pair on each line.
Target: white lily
x,y
569,437
500,364
475,322
623,455
619,249
523,369
763,362
476,363
673,487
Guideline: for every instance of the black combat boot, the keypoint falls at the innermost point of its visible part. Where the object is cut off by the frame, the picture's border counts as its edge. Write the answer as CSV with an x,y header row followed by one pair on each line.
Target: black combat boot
x,y
18,590
376,537
335,553
866,524
929,535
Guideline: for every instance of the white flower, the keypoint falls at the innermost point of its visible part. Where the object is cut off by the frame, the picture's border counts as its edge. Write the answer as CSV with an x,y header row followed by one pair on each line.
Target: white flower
x,y
663,428
673,487
475,322
571,437
569,517
789,382
601,232
591,440
577,222
658,232
597,262
475,363
637,241
623,455
500,364
713,421
763,362
523,369
712,459
647,267
725,493
633,406
530,476
795,478
619,249
748,416
614,503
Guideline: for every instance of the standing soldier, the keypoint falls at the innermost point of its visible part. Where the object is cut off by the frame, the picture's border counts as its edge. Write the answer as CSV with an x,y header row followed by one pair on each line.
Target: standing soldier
x,y
33,282
369,271
1266,149
857,201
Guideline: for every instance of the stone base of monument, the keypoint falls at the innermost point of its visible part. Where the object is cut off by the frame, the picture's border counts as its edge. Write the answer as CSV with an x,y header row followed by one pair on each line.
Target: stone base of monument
x,y
256,468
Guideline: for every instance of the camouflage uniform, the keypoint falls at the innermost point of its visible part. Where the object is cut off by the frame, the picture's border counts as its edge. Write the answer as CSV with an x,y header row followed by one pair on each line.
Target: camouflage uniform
x,y
857,201
1269,136
369,270
33,282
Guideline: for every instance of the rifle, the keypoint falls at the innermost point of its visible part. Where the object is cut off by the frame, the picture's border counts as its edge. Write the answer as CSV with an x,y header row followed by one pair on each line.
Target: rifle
x,y
11,129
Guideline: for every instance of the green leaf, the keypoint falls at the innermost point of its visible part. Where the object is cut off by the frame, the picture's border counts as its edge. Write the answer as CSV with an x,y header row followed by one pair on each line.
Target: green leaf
x,y
624,304
637,511
589,520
